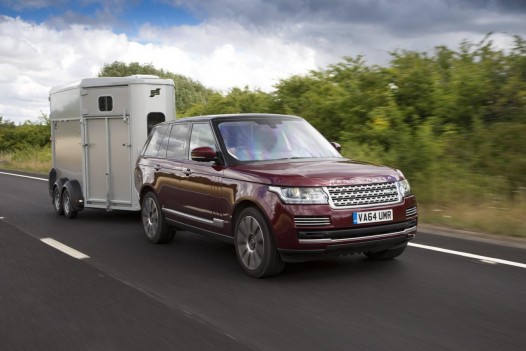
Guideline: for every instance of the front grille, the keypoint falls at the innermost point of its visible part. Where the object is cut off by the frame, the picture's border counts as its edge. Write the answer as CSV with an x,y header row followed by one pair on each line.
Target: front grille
x,y
364,195
410,212
311,221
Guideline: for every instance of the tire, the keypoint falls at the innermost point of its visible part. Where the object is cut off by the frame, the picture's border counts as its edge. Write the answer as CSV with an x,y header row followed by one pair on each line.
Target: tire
x,y
68,209
387,254
57,201
155,227
255,247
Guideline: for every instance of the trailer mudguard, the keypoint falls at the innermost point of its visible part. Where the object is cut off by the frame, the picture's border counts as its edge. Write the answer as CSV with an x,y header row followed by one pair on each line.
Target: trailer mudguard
x,y
51,180
75,194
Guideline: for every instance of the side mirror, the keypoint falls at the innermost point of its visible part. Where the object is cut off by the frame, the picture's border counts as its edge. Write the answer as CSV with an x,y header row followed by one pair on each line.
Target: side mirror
x,y
337,146
203,154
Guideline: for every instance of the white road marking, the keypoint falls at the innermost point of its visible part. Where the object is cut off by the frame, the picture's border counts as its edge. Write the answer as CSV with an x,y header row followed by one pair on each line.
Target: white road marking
x,y
23,176
465,254
64,248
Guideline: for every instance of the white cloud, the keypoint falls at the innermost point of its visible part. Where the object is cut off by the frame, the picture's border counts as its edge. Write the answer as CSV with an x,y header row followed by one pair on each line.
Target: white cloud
x,y
223,56
35,57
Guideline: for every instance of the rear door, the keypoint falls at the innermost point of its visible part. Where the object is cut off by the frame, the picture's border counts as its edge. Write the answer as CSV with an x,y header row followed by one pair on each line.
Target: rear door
x,y
107,150
199,191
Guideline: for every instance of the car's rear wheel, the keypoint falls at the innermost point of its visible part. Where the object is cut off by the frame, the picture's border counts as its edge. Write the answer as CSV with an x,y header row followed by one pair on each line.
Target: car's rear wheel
x,y
57,201
386,254
155,227
69,211
255,247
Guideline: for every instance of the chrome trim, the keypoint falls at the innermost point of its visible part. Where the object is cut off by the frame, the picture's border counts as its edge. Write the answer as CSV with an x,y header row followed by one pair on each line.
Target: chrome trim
x,y
411,211
382,191
312,221
361,238
219,223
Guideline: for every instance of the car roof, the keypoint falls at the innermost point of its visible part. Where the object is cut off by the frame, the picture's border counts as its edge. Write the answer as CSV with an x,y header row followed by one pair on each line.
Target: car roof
x,y
234,116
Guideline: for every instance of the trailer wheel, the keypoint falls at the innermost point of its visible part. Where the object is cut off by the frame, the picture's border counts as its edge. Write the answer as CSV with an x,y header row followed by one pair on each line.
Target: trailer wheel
x,y
155,227
57,201
68,209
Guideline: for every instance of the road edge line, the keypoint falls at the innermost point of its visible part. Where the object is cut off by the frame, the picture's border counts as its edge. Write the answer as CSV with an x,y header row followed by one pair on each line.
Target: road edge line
x,y
466,254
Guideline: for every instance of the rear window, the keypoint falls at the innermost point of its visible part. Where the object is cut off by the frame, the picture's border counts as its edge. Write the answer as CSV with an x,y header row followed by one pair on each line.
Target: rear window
x,y
154,145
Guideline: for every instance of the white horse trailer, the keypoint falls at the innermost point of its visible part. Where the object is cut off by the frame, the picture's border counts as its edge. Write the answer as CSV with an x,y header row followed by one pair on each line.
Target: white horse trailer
x,y
98,127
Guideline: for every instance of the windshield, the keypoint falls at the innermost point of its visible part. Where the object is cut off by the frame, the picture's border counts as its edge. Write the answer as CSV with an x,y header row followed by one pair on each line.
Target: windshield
x,y
274,139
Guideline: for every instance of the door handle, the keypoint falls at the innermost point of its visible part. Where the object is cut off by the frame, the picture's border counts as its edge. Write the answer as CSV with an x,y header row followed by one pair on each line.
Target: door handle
x,y
187,172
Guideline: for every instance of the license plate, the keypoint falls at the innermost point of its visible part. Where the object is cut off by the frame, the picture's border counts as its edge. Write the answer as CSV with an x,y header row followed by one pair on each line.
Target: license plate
x,y
372,216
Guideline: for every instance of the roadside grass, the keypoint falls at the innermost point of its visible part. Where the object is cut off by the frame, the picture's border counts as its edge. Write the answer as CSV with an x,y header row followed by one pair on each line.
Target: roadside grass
x,y
27,160
507,218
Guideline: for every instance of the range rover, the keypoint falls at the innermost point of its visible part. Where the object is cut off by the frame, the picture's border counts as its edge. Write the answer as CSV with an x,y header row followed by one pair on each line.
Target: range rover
x,y
272,186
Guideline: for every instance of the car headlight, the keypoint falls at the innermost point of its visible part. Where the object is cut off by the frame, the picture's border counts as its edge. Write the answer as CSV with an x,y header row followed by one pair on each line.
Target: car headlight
x,y
405,187
300,195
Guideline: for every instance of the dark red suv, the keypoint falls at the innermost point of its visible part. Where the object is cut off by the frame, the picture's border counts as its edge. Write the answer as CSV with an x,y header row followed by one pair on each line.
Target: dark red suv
x,y
274,187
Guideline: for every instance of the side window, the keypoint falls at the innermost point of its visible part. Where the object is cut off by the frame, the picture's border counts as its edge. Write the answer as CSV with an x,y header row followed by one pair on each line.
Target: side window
x,y
177,141
105,103
155,141
153,119
202,135
164,144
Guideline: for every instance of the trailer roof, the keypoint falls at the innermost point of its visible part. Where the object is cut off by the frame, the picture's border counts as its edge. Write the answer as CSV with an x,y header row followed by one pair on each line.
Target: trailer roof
x,y
112,81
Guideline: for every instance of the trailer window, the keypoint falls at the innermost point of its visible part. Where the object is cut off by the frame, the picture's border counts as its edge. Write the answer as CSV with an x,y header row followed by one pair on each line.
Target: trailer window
x,y
105,103
153,119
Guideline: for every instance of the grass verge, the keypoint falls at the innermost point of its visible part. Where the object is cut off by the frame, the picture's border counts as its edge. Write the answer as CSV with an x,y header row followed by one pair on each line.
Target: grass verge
x,y
33,161
507,219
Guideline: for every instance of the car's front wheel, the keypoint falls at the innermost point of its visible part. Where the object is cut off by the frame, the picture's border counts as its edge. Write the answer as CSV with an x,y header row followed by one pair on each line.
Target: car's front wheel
x,y
155,227
255,247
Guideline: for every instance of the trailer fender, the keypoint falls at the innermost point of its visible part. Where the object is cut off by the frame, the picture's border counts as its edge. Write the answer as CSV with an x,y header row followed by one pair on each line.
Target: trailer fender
x,y
51,180
75,194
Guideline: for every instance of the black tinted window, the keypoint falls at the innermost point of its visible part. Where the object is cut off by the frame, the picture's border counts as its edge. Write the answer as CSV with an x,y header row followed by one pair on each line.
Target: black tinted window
x,y
153,119
177,141
105,103
155,141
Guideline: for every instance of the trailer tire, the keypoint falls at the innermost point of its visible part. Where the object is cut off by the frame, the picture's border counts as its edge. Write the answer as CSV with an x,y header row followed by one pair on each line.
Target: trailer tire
x,y
155,227
57,201
67,207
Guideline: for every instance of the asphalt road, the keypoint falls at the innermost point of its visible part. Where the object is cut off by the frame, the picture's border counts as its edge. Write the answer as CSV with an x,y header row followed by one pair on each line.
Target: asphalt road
x,y
192,295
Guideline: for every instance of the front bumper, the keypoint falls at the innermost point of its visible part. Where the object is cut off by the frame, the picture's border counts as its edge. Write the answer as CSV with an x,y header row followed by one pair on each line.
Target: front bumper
x,y
350,241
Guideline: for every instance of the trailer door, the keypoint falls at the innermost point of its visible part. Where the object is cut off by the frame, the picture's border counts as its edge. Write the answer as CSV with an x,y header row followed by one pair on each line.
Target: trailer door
x,y
107,149
108,163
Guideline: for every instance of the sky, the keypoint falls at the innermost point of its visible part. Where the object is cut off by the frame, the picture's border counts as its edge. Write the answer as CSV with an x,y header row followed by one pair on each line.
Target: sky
x,y
225,43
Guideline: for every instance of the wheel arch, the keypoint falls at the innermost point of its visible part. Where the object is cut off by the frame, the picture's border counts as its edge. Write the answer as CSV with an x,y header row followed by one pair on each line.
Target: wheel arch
x,y
246,203
143,192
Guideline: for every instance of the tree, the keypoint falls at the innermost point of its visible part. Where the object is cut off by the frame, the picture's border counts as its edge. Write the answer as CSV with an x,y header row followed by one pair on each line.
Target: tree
x,y
187,91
